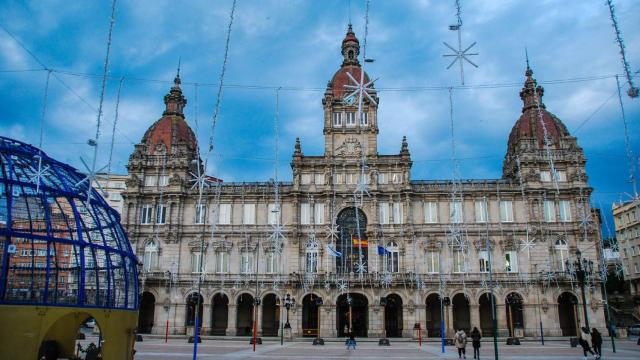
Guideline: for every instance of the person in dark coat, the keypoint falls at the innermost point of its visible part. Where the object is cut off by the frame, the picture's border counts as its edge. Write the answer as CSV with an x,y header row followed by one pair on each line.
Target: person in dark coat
x,y
596,342
475,341
585,342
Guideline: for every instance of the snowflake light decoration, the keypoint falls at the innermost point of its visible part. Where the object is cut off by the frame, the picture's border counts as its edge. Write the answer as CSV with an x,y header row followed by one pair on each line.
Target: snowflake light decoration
x,y
361,267
359,88
332,232
91,177
199,180
527,244
38,173
547,277
385,280
342,285
276,285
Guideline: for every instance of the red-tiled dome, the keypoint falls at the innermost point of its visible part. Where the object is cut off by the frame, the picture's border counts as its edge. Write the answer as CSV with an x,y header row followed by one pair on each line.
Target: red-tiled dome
x,y
171,129
529,124
340,79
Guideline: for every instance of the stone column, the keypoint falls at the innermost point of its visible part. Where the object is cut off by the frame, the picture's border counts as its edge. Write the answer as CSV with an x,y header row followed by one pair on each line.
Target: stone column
x,y
231,320
258,314
206,319
180,319
474,316
328,323
501,315
376,321
419,317
448,314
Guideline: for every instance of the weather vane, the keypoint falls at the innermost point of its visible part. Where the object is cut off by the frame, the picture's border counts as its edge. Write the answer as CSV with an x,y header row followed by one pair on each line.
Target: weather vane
x,y
459,54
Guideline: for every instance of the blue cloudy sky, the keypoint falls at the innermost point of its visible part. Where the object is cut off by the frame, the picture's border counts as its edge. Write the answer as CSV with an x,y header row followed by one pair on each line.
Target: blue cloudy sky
x,y
297,44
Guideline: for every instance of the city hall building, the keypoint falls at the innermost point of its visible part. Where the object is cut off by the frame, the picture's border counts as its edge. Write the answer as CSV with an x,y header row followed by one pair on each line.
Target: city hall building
x,y
408,253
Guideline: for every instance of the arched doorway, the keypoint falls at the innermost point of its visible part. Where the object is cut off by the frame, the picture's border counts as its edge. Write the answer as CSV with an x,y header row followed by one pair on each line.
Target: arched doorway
x,y
352,309
270,315
192,304
146,311
515,315
60,340
434,316
486,313
393,316
351,244
244,315
461,315
567,314
219,314
310,315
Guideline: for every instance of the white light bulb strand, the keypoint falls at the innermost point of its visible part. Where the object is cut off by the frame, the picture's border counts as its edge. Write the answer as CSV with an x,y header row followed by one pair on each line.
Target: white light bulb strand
x,y
632,91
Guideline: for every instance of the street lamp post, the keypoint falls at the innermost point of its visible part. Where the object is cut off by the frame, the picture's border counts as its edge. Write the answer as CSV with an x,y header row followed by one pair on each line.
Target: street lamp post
x,y
288,301
583,268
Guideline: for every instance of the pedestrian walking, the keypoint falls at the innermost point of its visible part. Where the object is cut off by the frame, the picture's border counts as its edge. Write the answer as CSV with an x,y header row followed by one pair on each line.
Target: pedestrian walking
x,y
351,342
475,341
460,340
596,342
585,342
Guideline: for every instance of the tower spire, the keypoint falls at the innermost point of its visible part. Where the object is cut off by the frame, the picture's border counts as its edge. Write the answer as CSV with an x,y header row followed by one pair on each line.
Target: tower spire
x,y
350,48
531,93
175,100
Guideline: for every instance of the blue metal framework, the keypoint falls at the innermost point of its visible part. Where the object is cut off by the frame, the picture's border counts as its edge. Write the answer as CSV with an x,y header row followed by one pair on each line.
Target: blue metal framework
x,y
59,246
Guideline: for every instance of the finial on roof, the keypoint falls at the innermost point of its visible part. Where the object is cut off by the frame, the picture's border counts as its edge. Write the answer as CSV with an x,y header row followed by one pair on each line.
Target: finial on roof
x,y
177,80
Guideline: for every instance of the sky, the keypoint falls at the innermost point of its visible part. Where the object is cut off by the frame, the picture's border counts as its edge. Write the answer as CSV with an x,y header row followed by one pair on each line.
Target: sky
x,y
296,44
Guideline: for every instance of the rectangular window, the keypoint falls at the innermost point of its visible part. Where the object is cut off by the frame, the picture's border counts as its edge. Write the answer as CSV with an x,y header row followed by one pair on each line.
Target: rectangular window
x,y
549,211
145,214
351,119
42,252
398,217
396,178
393,264
161,211
273,214
222,262
352,179
383,213
319,179
458,262
382,178
318,214
195,262
338,179
506,211
272,263
311,261
481,211
149,180
511,261
305,213
455,212
163,180
431,212
564,210
114,196
305,179
249,214
364,120
224,215
545,176
483,258
246,263
201,213
337,119
433,262
562,175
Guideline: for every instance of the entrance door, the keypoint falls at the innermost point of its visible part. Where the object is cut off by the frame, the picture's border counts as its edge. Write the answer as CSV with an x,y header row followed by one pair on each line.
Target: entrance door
x,y
219,314
393,316
353,309
244,316
310,315
461,315
486,313
147,309
567,303
270,316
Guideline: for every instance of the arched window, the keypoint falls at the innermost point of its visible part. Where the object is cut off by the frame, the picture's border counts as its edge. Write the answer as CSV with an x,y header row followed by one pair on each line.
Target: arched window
x,y
393,258
311,255
151,256
562,253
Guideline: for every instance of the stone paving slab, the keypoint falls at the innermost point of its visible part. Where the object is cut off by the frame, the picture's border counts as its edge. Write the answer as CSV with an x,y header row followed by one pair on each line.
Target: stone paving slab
x,y
177,349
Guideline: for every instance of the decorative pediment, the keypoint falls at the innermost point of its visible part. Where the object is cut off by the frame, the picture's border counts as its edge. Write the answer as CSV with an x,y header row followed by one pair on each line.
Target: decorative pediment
x,y
132,181
481,243
222,245
175,180
509,243
196,244
351,147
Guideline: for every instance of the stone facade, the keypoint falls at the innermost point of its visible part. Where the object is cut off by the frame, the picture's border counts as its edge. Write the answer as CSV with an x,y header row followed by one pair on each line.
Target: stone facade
x,y
413,221
626,217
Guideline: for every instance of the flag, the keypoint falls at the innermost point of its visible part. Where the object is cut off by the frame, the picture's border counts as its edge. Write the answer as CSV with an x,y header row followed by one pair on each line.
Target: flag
x,y
383,251
359,242
333,252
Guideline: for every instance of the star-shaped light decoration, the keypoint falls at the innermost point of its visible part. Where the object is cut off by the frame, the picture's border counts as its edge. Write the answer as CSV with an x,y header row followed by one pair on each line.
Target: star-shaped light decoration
x,y
361,267
91,177
459,54
547,277
38,173
527,244
277,236
276,285
199,180
332,233
619,269
359,88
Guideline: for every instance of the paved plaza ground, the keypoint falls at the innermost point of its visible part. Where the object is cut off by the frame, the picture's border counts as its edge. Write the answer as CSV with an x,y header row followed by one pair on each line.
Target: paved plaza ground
x,y
156,349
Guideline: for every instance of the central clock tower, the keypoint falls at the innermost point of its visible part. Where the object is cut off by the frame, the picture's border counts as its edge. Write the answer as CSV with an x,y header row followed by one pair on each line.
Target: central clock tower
x,y
346,136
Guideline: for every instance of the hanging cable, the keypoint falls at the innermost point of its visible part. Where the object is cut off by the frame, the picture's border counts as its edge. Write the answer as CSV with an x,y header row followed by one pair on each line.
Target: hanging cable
x,y
113,130
627,143
633,90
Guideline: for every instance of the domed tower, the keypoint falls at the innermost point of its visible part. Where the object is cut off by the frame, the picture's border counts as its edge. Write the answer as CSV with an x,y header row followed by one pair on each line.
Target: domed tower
x,y
527,142
170,136
343,133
